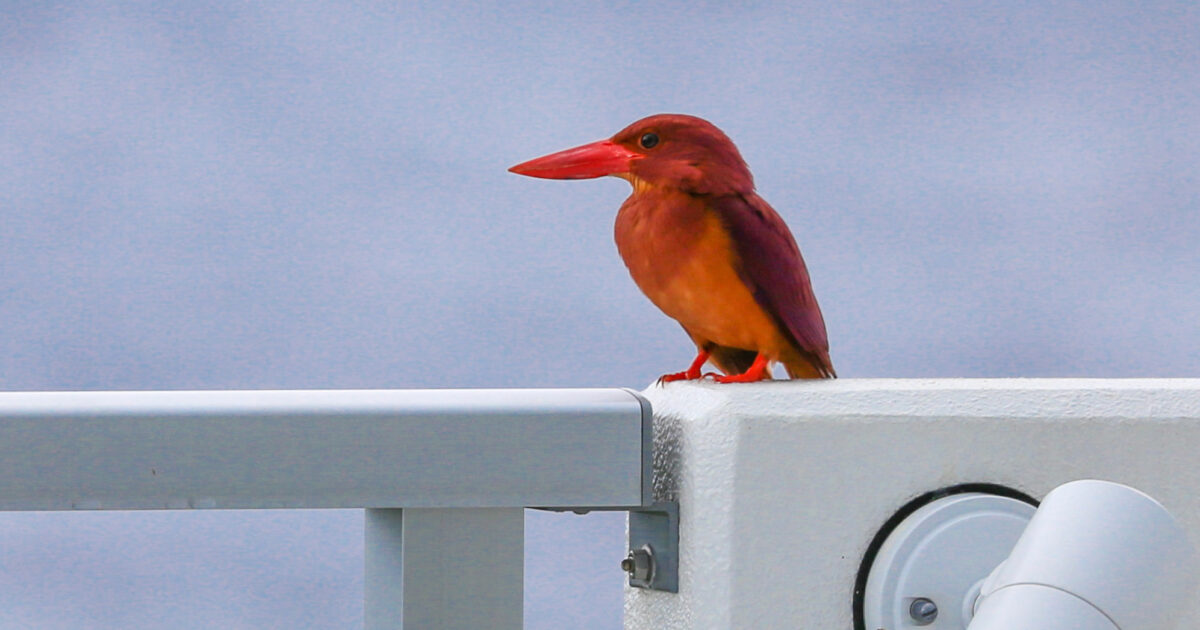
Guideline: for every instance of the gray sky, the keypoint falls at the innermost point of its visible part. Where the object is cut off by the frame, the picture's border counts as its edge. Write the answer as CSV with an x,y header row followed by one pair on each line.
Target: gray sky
x,y
292,195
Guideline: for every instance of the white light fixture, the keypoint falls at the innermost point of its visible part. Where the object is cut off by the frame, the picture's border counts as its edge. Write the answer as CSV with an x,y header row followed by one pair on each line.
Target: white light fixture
x,y
929,569
1095,556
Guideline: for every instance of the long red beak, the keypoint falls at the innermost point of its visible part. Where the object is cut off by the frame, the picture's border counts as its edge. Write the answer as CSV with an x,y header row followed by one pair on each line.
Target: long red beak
x,y
590,160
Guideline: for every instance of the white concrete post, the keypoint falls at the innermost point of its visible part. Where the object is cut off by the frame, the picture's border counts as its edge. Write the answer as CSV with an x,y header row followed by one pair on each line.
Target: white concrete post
x,y
783,485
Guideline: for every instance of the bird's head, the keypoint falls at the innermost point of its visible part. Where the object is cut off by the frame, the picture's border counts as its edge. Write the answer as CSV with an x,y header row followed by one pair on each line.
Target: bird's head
x,y
667,150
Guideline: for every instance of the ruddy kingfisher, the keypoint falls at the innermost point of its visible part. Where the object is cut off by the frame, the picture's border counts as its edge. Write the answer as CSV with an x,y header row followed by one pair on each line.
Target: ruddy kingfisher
x,y
705,248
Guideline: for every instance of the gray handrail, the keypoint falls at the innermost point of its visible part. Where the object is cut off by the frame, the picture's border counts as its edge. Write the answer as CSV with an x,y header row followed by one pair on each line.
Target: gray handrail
x,y
444,474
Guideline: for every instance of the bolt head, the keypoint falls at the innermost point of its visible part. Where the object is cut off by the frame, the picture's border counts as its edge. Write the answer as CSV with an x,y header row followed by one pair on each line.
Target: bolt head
x,y
923,611
639,565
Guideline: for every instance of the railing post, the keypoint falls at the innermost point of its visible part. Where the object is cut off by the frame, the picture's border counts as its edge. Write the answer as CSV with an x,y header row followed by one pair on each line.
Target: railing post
x,y
444,569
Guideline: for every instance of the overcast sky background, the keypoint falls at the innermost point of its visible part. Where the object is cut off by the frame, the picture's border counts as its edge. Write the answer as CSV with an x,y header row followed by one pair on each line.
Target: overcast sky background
x,y
200,195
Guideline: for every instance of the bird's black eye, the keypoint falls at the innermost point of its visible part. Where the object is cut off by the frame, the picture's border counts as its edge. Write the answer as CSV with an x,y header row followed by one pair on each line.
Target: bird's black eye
x,y
649,140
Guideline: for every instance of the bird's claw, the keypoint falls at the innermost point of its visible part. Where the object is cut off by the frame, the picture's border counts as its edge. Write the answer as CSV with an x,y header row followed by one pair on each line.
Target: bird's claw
x,y
735,378
715,377
759,371
690,374
678,376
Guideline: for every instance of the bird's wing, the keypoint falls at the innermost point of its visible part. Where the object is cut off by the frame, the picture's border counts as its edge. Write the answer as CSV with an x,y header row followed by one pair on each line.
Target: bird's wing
x,y
771,265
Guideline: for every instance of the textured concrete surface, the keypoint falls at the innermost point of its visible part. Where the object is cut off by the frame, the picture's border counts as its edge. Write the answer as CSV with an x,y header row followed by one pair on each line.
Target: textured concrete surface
x,y
782,485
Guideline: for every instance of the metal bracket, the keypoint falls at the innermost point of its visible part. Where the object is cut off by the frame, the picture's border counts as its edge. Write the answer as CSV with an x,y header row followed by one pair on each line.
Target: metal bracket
x,y
653,560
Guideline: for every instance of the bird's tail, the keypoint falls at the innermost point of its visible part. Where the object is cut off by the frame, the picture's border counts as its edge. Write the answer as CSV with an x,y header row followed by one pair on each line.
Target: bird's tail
x,y
810,366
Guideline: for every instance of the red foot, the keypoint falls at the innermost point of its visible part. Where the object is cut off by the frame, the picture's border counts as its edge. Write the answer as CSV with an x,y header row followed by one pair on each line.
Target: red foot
x,y
757,372
691,374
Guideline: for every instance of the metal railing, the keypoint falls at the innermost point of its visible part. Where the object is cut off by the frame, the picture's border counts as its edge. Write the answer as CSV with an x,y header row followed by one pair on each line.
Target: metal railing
x,y
443,474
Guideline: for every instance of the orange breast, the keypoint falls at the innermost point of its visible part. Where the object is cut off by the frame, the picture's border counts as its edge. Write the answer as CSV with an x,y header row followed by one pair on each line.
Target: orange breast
x,y
682,258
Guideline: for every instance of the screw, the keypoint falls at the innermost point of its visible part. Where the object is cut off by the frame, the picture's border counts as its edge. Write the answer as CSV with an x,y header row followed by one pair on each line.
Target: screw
x,y
639,564
923,611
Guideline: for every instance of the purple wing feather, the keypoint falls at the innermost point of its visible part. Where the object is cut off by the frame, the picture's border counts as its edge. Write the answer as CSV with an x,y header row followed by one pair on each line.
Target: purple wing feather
x,y
771,265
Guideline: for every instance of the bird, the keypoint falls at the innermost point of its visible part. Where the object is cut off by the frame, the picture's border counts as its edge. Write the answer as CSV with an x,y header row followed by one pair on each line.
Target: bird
x,y
705,248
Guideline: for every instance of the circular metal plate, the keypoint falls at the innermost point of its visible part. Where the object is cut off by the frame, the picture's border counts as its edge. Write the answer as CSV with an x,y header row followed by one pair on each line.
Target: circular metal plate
x,y
941,553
